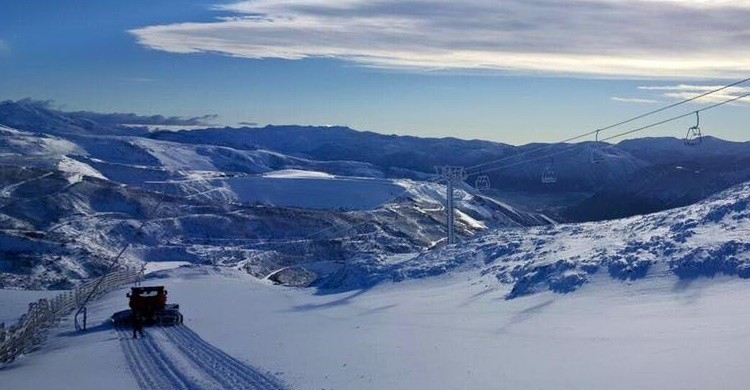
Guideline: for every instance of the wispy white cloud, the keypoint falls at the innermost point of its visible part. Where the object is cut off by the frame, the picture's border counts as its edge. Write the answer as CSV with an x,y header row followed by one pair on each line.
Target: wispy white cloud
x,y
686,91
634,100
693,88
601,38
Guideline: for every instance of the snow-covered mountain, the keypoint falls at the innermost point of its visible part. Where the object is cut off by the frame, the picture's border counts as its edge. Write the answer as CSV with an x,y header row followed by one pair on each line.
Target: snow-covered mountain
x,y
675,175
704,239
57,227
73,193
330,206
367,235
630,178
394,153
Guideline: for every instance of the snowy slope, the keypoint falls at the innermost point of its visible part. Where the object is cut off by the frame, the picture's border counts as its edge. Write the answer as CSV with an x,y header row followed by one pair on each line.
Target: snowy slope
x,y
16,303
37,150
446,332
57,142
705,239
58,227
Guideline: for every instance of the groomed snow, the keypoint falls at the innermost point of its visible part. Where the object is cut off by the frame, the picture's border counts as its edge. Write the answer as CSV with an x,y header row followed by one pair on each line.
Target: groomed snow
x,y
156,266
448,332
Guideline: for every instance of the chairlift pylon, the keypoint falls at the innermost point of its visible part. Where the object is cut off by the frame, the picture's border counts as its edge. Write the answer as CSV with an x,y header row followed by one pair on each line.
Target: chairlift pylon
x,y
694,136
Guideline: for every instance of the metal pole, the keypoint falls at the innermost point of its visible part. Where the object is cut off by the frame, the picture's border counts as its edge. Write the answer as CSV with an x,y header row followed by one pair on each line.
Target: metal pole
x,y
451,175
449,204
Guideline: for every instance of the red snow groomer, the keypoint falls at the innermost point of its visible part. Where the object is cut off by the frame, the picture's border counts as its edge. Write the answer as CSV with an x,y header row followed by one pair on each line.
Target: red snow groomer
x,y
151,304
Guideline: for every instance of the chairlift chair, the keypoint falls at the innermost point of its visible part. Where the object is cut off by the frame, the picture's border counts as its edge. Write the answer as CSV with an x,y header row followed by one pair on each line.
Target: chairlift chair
x,y
482,183
596,152
548,175
694,136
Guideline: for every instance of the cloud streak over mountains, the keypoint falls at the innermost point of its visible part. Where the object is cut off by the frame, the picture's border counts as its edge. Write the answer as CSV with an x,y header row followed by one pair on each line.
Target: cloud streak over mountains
x,y
634,100
684,91
599,38
151,120
116,118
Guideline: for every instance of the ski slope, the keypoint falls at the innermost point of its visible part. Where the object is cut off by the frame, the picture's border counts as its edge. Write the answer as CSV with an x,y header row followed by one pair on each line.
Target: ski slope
x,y
165,358
449,332
178,358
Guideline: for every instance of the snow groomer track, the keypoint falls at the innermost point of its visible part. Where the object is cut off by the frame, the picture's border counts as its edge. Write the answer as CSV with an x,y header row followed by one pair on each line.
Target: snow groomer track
x,y
177,358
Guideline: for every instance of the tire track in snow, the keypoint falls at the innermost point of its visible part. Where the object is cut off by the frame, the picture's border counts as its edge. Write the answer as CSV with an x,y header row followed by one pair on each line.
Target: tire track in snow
x,y
136,364
187,362
230,372
150,365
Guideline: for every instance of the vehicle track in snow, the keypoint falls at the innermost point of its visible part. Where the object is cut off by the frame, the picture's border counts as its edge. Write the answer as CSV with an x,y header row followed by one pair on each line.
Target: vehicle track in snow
x,y
178,358
151,367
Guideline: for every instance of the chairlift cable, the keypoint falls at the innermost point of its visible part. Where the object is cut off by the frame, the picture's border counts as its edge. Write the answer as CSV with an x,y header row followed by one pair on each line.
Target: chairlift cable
x,y
734,99
579,146
626,121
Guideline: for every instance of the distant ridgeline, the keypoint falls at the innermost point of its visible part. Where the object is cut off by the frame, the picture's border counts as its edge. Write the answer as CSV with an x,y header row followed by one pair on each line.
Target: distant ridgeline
x,y
631,177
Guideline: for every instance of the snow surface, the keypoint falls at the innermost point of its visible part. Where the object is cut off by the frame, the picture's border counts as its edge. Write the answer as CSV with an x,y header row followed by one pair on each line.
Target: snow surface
x,y
72,360
156,266
75,167
449,332
702,240
644,314
64,227
15,303
297,174
314,191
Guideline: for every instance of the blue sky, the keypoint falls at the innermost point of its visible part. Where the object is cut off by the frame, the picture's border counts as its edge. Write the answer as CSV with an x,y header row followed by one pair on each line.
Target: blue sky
x,y
514,71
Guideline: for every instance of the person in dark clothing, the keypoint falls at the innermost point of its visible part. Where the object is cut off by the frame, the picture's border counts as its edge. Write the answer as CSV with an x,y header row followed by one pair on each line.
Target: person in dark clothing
x,y
137,325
